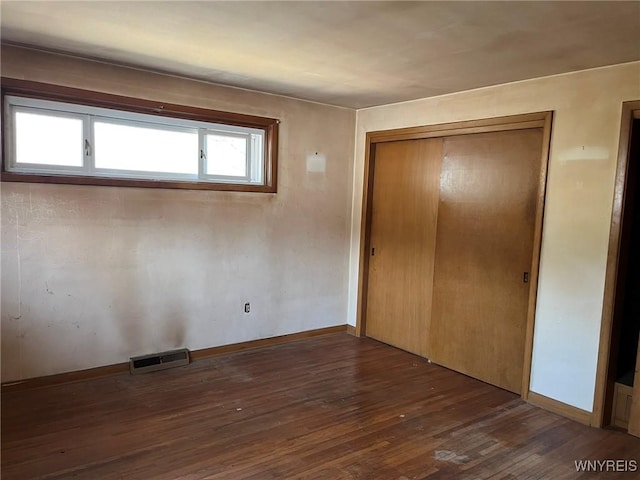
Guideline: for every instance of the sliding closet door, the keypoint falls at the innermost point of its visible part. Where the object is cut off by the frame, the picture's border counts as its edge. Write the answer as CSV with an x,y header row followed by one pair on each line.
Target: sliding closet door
x,y
402,239
484,249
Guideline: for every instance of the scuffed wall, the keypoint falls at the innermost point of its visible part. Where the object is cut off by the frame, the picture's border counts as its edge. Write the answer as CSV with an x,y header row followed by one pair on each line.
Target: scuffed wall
x,y
587,108
94,275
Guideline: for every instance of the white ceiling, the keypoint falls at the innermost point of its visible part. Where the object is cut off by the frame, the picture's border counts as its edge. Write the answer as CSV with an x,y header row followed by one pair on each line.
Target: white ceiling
x,y
353,54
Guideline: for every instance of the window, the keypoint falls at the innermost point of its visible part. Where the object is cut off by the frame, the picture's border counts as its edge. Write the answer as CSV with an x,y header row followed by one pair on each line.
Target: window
x,y
62,135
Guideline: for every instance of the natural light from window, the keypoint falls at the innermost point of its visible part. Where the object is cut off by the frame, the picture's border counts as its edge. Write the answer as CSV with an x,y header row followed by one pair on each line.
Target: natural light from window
x,y
145,149
177,147
227,155
48,139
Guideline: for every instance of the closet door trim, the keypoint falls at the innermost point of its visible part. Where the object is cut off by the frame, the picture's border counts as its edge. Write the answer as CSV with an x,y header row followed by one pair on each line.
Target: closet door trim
x,y
514,122
498,124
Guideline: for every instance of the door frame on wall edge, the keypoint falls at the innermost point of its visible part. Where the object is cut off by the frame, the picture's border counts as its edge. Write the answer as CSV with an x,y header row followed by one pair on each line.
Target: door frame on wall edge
x,y
498,124
630,111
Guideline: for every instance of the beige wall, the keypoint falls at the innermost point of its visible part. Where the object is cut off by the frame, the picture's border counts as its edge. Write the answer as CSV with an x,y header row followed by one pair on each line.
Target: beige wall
x,y
94,275
587,109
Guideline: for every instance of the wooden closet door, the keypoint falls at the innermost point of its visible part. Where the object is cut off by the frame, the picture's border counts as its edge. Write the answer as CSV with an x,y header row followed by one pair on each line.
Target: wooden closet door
x,y
484,248
402,239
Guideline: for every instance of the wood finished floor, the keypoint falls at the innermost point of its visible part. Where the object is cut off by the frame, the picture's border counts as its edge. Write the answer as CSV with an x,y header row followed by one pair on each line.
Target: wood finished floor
x,y
333,407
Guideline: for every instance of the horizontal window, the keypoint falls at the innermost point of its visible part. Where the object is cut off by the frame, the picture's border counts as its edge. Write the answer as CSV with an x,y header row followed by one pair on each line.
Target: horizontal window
x,y
61,138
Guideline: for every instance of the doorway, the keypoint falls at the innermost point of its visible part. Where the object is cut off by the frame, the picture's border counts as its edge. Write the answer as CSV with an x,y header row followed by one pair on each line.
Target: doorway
x,y
617,400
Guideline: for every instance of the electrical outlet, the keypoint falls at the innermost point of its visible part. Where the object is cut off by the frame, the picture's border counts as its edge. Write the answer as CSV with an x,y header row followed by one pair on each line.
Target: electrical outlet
x,y
247,307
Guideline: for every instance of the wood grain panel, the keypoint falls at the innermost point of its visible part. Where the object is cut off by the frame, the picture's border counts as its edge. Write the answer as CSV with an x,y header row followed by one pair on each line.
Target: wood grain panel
x,y
634,417
402,242
485,237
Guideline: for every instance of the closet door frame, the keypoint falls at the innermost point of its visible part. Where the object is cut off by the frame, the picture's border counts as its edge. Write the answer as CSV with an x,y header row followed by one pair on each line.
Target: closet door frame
x,y
541,120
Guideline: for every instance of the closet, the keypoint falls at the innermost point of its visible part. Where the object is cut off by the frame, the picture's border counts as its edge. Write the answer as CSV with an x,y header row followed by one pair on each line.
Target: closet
x,y
452,220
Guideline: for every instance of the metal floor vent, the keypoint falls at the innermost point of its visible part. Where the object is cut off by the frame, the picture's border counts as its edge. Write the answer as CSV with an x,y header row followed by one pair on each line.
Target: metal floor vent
x,y
158,361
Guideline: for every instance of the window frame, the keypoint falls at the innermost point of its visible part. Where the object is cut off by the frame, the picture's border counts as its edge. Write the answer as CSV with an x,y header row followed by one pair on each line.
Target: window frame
x,y
86,98
55,169
204,159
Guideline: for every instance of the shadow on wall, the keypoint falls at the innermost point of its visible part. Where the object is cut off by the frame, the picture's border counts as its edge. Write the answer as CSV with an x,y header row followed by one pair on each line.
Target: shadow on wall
x,y
79,273
144,326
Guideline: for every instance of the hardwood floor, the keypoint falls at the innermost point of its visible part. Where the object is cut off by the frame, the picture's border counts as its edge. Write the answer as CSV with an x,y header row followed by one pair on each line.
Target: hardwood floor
x,y
332,407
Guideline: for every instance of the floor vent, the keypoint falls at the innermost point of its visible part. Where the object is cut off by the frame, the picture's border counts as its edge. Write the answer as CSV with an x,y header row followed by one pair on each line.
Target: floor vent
x,y
159,361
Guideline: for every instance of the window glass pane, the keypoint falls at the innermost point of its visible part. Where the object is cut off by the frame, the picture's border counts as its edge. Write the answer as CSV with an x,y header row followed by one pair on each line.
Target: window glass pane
x,y
48,139
68,139
226,155
146,149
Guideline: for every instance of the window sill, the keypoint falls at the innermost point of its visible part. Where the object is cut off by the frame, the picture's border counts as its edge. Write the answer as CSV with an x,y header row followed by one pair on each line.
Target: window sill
x,y
120,182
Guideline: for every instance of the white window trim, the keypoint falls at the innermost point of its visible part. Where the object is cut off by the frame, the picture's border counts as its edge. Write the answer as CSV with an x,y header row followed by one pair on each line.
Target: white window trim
x,y
11,148
204,159
89,115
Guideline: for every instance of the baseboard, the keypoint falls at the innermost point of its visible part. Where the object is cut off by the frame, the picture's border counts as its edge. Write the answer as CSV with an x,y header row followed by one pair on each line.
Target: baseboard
x,y
68,377
264,342
555,406
120,368
351,330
